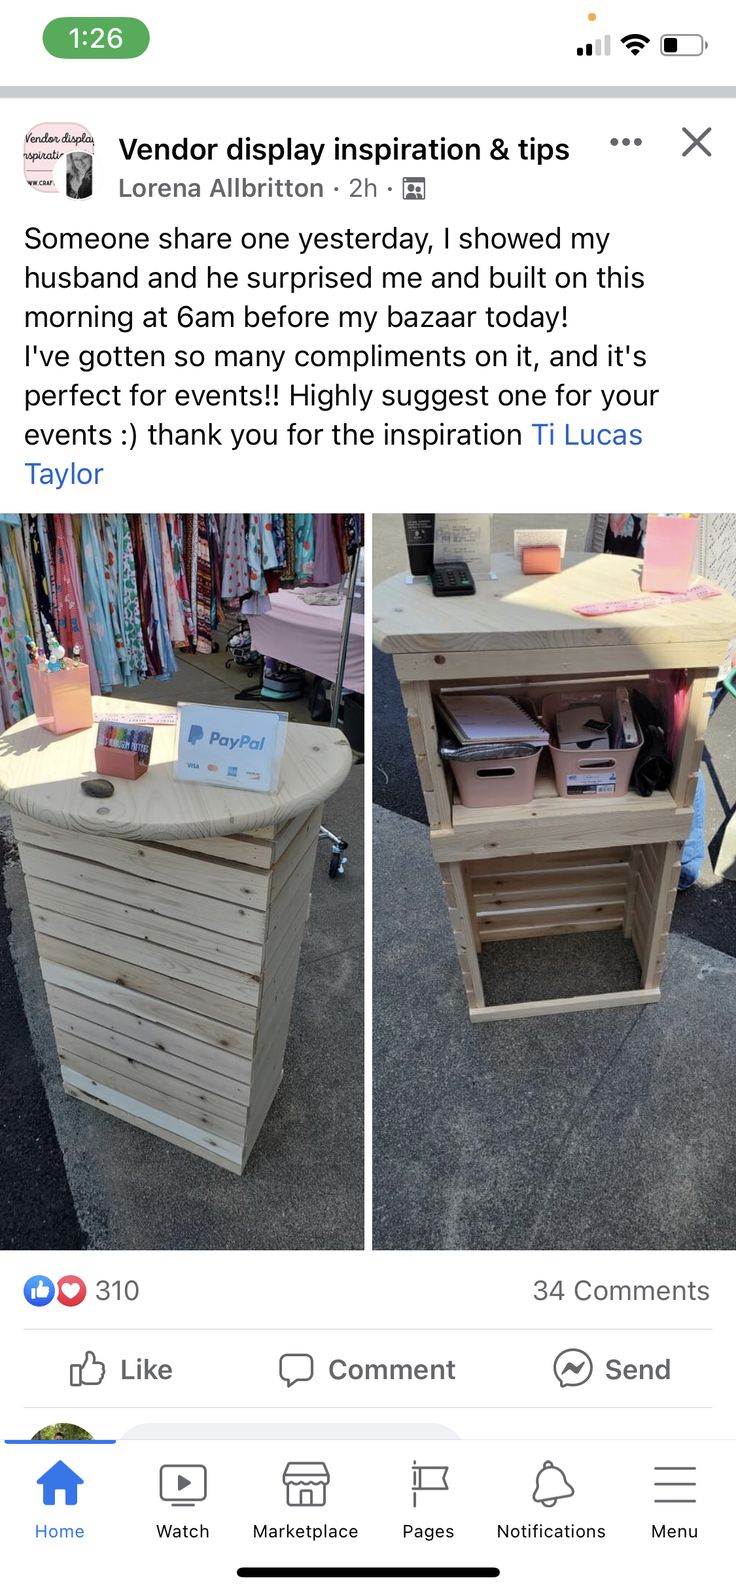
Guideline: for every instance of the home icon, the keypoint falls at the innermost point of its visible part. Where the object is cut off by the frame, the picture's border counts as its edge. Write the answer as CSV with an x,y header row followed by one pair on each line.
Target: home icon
x,y
306,1482
60,1479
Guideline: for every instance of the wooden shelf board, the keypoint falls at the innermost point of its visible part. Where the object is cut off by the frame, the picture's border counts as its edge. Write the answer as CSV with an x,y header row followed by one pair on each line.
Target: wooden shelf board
x,y
517,612
546,1009
547,802
552,822
41,775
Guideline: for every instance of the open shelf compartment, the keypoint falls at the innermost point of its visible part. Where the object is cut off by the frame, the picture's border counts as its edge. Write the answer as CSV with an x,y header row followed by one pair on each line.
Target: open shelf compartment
x,y
549,818
629,889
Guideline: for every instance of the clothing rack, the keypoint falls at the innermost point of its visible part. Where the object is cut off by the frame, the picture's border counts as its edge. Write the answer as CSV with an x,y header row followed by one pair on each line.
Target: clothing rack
x,y
136,593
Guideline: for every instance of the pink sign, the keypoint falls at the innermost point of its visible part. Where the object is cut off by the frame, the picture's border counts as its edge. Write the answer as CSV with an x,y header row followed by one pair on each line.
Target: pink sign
x,y
58,159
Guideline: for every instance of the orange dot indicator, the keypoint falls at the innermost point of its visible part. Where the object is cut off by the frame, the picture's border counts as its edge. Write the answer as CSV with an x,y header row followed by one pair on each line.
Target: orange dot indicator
x,y
591,16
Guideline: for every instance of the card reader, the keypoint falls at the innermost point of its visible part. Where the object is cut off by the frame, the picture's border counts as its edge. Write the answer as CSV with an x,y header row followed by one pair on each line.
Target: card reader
x,y
452,580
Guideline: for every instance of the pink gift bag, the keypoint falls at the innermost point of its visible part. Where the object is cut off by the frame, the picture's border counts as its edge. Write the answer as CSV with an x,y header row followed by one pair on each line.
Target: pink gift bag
x,y
61,699
669,553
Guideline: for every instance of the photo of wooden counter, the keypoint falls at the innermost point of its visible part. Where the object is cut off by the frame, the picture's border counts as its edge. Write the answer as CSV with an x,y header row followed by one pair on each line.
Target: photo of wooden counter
x,y
558,864
169,919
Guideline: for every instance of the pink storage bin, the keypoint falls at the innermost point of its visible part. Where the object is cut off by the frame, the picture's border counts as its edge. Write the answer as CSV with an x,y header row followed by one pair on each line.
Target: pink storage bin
x,y
484,782
579,773
62,700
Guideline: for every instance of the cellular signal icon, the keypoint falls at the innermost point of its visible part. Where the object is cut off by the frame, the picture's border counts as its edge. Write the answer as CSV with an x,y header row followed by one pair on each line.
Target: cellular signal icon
x,y
598,47
634,42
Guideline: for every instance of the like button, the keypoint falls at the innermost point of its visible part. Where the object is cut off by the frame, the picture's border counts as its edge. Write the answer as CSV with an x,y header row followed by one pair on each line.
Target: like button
x,y
91,1371
39,1290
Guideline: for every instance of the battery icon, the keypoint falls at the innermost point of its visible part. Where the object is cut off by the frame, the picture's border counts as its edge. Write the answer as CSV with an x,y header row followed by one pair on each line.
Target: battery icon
x,y
682,44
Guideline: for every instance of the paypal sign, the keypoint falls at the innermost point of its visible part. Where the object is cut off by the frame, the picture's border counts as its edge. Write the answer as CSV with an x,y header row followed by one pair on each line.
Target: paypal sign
x,y
230,746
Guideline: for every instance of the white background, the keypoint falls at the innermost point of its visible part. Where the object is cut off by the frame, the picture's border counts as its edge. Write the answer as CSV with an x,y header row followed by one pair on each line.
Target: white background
x,y
236,1417
667,215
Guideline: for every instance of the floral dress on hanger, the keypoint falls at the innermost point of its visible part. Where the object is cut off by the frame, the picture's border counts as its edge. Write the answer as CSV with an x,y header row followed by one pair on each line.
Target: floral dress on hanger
x,y
234,558
304,547
11,685
128,606
97,605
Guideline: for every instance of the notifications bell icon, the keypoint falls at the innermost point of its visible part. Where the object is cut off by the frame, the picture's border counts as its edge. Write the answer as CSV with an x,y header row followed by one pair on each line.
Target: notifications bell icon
x,y
552,1484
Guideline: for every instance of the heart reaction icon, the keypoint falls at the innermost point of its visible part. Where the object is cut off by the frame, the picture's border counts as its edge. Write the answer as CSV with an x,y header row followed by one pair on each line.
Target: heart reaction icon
x,y
71,1290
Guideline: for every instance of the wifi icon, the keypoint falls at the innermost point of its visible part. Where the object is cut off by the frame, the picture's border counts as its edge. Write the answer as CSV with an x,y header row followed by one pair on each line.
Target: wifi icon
x,y
634,42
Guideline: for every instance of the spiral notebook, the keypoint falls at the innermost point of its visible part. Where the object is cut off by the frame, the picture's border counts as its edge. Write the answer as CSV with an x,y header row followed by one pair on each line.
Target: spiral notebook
x,y
485,717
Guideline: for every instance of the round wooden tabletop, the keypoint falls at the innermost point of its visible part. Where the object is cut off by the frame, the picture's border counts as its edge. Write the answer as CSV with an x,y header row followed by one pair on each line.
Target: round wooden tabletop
x,y
41,775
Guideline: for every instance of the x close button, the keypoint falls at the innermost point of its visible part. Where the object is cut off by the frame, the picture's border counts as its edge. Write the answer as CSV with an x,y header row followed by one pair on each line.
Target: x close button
x,y
696,142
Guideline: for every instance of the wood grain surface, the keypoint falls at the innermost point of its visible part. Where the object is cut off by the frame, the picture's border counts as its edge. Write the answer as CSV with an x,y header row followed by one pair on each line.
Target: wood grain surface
x,y
170,972
41,774
537,612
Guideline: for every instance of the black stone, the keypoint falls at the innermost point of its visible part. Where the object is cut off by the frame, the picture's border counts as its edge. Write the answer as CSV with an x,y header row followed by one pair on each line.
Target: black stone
x,y
98,788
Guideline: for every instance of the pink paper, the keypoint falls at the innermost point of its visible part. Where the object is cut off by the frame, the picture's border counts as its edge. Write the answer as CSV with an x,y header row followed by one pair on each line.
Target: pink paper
x,y
626,605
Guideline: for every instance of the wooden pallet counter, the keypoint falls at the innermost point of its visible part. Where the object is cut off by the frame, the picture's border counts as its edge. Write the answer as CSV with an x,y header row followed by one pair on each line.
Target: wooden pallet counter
x,y
559,865
169,919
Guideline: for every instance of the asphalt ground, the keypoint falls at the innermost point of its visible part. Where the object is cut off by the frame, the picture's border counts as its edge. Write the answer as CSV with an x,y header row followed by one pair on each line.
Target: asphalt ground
x,y
36,1206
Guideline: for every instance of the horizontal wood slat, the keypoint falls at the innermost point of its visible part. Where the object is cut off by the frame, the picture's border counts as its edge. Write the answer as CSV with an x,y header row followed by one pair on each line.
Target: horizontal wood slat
x,y
170,970
94,1052
176,1107
561,893
555,863
117,1031
558,824
78,968
148,1012
563,1004
530,929
167,901
456,668
244,849
226,881
142,924
226,1152
212,978
128,1074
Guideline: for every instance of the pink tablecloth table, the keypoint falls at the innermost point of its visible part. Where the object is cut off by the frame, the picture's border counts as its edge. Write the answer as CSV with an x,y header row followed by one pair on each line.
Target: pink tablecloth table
x,y
308,635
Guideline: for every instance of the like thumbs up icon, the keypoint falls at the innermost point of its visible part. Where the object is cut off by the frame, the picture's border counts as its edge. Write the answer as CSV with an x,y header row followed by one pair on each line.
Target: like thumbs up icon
x,y
90,1371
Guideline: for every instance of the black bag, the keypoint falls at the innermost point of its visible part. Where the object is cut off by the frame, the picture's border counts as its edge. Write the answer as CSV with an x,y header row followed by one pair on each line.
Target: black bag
x,y
319,706
653,767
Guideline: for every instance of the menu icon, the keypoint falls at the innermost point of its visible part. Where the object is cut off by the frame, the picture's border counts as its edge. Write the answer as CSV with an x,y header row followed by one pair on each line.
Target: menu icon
x,y
675,1485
